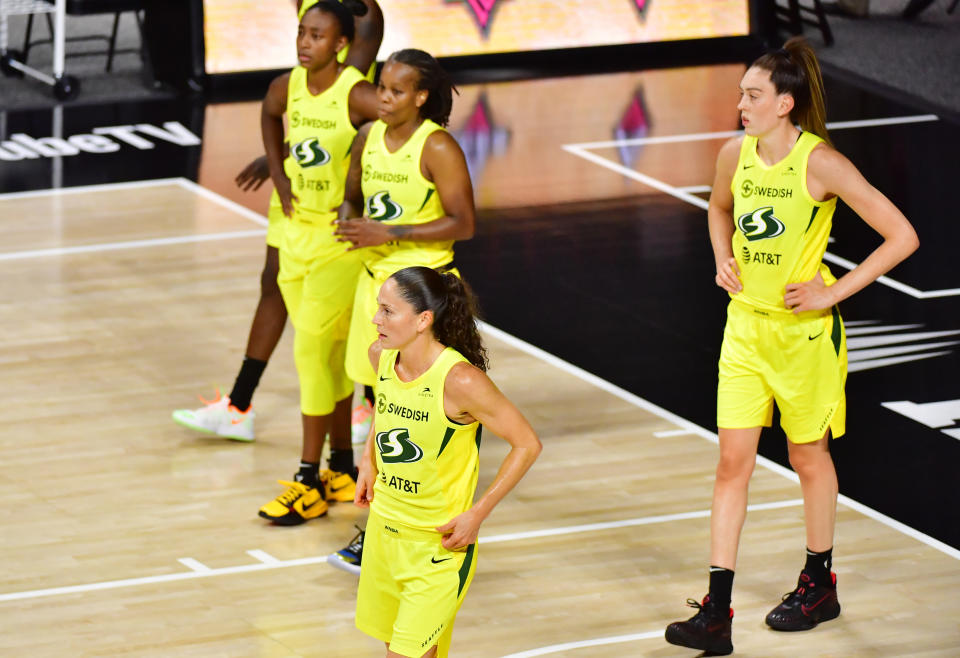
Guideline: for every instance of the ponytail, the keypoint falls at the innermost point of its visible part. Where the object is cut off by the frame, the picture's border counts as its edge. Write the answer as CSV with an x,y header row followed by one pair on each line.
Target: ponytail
x,y
454,309
794,70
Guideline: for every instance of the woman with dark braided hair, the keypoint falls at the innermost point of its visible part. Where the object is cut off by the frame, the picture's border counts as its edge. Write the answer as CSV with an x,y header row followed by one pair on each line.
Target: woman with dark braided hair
x,y
408,194
418,473
770,213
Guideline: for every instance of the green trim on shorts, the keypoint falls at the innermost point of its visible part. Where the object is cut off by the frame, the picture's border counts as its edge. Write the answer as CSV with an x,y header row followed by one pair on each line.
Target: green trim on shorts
x,y
837,334
465,568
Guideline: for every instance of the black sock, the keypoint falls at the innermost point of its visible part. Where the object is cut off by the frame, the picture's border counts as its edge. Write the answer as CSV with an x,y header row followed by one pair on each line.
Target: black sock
x,y
368,394
246,382
818,566
721,586
309,474
341,461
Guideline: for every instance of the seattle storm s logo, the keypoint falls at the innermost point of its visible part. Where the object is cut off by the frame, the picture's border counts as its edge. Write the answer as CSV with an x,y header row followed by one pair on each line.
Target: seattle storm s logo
x,y
760,224
309,153
382,208
396,447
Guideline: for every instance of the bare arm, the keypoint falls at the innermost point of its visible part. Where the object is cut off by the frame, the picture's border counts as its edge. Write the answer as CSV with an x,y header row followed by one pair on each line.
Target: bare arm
x,y
367,470
720,218
271,126
470,395
363,102
352,205
367,38
442,162
831,174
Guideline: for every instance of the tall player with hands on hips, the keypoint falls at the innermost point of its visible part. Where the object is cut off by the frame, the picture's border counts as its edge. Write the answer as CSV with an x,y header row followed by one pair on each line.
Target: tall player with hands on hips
x,y
770,216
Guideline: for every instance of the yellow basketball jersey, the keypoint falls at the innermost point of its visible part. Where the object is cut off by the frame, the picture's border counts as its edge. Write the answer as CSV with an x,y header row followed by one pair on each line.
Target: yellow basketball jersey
x,y
395,192
427,463
342,55
781,231
320,135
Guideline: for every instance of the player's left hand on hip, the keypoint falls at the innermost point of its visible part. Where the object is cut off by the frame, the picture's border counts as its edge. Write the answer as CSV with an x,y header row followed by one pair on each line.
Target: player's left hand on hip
x,y
812,295
460,531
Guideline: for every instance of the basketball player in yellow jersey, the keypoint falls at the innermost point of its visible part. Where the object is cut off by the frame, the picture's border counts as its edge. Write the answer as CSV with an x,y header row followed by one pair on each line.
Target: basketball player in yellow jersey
x,y
324,101
408,194
418,474
770,212
232,416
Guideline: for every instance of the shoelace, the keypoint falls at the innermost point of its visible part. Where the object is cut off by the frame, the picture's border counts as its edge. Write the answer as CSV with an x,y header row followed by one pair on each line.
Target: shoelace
x,y
290,496
799,591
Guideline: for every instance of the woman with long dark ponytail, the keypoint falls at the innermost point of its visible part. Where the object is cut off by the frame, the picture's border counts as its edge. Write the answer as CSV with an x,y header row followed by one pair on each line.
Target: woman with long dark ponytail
x,y
418,473
769,216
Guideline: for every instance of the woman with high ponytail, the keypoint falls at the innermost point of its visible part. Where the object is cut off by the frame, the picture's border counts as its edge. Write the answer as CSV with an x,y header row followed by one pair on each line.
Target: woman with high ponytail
x,y
770,215
418,474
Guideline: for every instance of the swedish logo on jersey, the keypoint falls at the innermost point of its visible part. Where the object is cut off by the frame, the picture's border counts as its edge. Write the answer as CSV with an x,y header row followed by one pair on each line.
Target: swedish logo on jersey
x,y
309,153
760,224
382,208
396,447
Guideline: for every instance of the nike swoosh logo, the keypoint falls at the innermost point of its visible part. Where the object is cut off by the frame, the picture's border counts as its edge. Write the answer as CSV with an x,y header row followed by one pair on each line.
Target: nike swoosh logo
x,y
747,166
384,379
436,561
339,488
807,609
817,336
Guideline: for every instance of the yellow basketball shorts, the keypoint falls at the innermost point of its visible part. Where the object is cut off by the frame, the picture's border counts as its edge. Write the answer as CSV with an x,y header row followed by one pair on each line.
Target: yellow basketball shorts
x,y
411,587
362,330
799,362
317,279
277,219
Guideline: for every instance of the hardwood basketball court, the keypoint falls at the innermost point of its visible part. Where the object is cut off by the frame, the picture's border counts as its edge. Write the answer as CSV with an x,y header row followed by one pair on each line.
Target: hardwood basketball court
x,y
125,534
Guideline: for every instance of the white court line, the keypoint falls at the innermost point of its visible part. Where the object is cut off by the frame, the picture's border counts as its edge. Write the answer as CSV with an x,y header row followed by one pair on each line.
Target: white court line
x,y
223,201
896,285
194,565
684,193
182,183
263,556
267,561
84,189
727,134
132,244
627,523
600,641
696,189
664,434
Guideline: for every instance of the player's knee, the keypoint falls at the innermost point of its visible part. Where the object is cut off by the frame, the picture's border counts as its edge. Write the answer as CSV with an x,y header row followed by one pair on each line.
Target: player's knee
x,y
735,467
810,463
